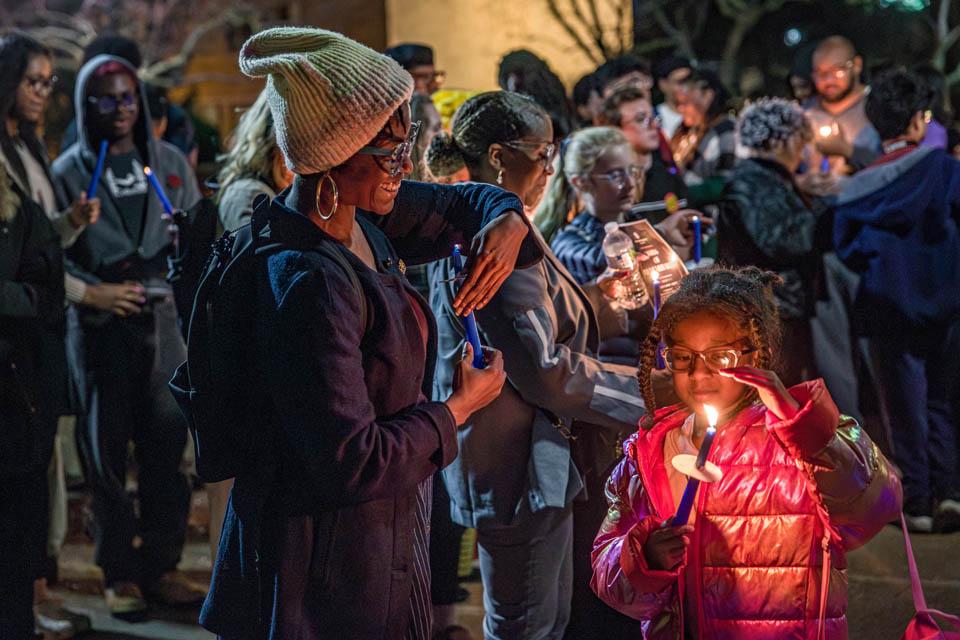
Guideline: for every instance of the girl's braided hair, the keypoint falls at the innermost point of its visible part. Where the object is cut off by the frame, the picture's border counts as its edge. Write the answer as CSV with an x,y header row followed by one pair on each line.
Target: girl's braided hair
x,y
743,295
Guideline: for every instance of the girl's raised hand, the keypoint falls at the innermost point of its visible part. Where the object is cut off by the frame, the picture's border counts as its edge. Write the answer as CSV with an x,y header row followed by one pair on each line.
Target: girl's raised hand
x,y
769,387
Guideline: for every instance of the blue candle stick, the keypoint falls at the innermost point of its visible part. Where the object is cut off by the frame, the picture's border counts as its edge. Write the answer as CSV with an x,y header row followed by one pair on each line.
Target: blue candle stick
x,y
690,491
167,207
825,164
697,240
655,276
469,322
97,170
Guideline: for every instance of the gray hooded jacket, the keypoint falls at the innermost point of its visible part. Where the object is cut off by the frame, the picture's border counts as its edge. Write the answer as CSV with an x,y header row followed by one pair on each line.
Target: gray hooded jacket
x,y
105,245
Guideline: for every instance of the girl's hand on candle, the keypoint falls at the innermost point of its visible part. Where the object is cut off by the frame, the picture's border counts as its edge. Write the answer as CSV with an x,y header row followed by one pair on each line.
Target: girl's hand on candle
x,y
773,394
492,258
665,548
83,211
677,228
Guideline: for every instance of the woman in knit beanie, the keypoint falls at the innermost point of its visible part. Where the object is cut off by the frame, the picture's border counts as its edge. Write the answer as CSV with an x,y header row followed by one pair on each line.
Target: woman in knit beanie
x,y
326,531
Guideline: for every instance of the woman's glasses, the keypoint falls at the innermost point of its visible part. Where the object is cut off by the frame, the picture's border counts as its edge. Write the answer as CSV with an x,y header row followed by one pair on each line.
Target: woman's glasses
x,y
545,157
43,87
680,360
645,121
393,160
108,104
619,178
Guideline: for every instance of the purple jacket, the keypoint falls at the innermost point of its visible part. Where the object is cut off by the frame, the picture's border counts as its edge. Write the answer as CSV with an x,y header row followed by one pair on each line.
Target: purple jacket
x,y
349,436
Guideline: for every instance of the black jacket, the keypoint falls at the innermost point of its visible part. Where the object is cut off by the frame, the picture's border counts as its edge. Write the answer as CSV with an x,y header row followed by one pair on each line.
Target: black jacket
x,y
33,380
766,222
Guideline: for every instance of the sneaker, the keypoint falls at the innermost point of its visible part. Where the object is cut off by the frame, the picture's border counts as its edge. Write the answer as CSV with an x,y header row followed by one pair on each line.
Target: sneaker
x,y
918,524
124,598
175,589
59,622
947,517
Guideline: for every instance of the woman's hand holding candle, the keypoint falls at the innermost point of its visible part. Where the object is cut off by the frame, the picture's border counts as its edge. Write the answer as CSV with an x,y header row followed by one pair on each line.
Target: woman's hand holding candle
x,y
677,228
773,394
492,258
83,211
473,388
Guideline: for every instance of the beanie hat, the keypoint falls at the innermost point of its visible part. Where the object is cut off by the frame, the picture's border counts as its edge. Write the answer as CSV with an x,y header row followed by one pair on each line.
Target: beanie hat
x,y
329,95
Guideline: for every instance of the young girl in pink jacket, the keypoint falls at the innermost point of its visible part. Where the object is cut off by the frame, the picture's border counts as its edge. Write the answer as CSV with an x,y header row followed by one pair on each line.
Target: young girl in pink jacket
x,y
763,553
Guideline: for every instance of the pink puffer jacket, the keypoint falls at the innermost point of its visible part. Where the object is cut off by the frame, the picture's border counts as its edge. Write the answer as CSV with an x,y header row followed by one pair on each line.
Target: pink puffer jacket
x,y
754,566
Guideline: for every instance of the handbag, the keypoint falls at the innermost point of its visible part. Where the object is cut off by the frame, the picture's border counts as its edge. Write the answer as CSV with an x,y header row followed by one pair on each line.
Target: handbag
x,y
924,625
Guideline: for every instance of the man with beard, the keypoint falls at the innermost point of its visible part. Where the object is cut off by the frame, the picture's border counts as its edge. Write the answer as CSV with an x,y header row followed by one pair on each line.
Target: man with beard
x,y
852,142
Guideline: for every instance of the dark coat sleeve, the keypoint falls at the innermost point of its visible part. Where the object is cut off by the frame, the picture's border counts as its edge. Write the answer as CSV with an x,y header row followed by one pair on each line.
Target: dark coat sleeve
x,y
344,452
428,219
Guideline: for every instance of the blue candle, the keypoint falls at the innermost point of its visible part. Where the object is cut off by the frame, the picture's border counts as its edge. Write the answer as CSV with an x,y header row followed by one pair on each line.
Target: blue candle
x,y
690,491
655,276
97,170
167,207
697,240
469,322
825,164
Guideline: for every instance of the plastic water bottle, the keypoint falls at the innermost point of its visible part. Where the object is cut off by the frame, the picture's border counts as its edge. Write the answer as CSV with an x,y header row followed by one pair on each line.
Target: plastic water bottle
x,y
622,261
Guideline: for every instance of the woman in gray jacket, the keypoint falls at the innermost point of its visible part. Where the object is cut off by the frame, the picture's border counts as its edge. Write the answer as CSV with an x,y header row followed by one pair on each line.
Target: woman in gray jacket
x,y
515,479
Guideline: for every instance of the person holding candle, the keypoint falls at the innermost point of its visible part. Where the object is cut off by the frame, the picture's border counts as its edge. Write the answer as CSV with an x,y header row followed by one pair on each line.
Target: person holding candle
x,y
767,221
327,527
520,468
133,344
762,554
896,226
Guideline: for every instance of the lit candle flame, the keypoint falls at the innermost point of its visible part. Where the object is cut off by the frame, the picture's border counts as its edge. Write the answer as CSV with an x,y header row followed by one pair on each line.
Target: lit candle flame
x,y
712,415
655,275
826,130
147,171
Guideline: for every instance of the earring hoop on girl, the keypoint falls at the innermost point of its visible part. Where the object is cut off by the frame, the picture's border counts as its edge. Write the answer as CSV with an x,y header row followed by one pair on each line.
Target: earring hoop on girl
x,y
336,196
500,177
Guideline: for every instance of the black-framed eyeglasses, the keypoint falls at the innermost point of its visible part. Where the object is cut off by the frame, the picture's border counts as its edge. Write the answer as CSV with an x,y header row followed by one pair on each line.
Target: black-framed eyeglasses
x,y
108,104
545,157
43,87
680,360
619,178
392,160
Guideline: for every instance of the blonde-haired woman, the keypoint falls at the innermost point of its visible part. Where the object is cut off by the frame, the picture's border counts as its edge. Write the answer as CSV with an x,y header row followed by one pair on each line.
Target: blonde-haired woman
x,y
253,166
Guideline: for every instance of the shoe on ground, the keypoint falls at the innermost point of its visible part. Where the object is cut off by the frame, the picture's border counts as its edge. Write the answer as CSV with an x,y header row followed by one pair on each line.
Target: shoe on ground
x,y
52,615
124,598
947,517
919,524
175,589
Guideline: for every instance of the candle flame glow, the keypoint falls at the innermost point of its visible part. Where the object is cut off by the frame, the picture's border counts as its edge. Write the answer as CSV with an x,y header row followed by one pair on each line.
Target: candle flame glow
x,y
712,415
655,275
147,171
826,130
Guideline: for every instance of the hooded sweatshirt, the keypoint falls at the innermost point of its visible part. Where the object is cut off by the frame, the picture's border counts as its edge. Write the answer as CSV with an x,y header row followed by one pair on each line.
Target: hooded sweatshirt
x,y
112,250
896,224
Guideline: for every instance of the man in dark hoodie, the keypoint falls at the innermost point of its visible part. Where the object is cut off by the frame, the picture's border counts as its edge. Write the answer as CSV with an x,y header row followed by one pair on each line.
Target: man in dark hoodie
x,y
897,225
131,351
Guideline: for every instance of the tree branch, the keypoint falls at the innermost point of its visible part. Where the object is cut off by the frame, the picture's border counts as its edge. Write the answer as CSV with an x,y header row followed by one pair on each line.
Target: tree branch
x,y
577,40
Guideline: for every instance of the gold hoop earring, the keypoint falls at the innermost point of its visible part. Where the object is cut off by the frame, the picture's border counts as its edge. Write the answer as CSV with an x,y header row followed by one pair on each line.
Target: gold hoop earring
x,y
336,196
500,177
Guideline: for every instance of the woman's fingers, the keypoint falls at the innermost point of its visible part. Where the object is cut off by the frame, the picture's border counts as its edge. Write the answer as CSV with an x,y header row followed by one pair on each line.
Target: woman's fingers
x,y
486,276
475,270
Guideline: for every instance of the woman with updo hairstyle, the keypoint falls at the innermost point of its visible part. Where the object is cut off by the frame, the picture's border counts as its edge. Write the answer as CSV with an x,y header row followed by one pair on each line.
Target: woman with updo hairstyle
x,y
326,530
766,221
522,459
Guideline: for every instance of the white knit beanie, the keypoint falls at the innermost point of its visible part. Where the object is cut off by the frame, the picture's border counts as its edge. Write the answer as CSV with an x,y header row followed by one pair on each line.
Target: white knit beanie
x,y
328,94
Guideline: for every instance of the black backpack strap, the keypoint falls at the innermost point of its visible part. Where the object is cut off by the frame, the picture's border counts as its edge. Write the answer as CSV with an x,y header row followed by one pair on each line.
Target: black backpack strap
x,y
333,253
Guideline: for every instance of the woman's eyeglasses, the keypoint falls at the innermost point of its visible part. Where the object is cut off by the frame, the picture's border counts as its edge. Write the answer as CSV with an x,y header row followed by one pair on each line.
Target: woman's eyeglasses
x,y
680,360
545,157
107,105
619,178
393,160
43,87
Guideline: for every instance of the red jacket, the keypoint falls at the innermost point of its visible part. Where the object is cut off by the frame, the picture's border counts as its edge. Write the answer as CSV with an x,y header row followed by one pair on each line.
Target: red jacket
x,y
789,488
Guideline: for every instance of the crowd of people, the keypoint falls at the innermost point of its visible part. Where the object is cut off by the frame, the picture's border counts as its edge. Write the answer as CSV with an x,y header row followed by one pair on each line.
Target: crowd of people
x,y
823,326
